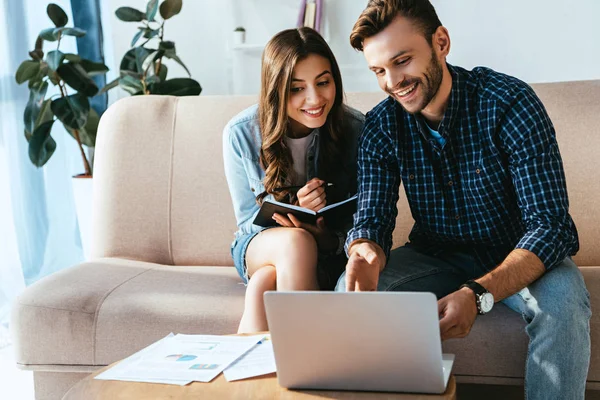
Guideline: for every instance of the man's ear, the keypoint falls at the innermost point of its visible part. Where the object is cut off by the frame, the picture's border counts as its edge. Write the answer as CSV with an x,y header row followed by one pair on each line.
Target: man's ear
x,y
441,41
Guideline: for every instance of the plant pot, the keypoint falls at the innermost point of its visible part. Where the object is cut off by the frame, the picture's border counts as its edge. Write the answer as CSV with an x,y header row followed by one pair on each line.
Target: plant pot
x,y
83,194
239,37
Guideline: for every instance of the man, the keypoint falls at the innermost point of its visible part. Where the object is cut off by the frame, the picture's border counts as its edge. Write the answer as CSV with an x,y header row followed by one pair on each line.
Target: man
x,y
484,179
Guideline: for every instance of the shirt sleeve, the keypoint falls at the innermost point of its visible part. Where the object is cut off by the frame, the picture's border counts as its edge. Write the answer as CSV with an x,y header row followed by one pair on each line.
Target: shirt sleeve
x,y
378,184
244,201
538,177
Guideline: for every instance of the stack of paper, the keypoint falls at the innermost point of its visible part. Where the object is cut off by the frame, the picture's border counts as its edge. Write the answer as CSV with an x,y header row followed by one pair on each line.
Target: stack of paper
x,y
181,359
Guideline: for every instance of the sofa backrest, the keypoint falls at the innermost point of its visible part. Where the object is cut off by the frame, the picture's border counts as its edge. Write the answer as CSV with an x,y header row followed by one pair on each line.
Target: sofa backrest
x,y
160,193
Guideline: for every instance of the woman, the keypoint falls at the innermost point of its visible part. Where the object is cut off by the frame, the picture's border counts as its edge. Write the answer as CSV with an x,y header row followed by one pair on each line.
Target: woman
x,y
300,133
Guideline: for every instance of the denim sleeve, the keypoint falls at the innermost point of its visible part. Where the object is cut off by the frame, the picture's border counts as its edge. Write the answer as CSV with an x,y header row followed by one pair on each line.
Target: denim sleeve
x,y
538,177
244,201
378,184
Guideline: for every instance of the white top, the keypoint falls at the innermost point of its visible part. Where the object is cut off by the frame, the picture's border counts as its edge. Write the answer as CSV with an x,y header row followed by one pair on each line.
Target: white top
x,y
299,147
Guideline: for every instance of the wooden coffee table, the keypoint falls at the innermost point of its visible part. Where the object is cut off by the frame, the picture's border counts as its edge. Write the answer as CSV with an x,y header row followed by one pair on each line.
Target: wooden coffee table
x,y
261,387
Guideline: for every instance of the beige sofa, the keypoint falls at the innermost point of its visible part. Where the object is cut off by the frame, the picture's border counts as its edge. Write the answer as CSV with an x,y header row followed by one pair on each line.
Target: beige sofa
x,y
163,223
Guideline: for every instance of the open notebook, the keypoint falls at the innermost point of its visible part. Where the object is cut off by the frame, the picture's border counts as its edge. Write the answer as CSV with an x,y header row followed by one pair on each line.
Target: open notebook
x,y
334,214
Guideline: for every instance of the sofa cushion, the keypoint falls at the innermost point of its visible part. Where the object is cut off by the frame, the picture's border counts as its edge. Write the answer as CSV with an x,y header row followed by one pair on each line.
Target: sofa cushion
x,y
99,312
482,353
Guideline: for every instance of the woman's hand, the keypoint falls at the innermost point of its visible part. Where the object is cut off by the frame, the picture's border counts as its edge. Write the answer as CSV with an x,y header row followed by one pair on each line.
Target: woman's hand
x,y
312,195
327,241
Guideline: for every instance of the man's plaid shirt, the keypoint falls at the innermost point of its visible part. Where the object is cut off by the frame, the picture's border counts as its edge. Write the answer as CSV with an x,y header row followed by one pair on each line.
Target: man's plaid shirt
x,y
497,184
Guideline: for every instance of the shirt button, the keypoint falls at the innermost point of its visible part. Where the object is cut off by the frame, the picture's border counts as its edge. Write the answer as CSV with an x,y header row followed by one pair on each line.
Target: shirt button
x,y
477,171
252,189
457,217
450,183
411,176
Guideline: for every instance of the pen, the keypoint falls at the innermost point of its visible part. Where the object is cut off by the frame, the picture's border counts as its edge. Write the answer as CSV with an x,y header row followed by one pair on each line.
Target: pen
x,y
296,187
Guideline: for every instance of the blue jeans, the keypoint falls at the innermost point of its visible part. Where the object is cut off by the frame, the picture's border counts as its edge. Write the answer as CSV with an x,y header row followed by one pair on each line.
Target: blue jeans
x,y
556,308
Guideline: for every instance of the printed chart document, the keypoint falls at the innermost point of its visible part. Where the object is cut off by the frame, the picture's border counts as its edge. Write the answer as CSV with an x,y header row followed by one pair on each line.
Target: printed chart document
x,y
258,361
181,359
114,373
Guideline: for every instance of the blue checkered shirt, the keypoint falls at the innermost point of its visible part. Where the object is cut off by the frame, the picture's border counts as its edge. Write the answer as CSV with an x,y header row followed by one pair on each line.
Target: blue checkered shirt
x,y
495,185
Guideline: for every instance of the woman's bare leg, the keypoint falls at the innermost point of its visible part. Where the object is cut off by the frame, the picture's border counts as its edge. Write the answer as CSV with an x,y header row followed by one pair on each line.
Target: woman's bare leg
x,y
254,318
291,254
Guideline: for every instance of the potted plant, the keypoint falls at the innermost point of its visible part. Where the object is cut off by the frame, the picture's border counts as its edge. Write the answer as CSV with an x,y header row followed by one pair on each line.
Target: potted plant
x,y
142,70
239,35
70,105
71,74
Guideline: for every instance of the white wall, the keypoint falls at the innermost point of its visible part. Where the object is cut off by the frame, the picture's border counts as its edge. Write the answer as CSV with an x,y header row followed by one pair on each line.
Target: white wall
x,y
535,40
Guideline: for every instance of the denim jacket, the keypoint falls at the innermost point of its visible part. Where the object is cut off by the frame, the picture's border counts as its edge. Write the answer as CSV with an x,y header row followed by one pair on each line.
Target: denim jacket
x,y
241,155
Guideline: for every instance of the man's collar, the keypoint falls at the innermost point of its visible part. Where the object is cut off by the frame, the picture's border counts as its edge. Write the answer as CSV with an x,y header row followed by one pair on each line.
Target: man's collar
x,y
454,102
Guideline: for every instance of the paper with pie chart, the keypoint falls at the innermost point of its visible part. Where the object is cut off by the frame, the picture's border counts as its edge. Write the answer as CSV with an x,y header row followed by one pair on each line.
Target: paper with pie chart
x,y
181,359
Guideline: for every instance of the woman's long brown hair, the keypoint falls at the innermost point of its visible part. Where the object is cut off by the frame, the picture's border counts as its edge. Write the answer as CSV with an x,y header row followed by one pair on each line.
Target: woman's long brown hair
x,y
279,58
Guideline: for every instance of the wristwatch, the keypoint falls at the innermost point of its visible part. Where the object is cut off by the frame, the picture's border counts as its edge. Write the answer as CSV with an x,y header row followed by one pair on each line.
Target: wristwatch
x,y
484,299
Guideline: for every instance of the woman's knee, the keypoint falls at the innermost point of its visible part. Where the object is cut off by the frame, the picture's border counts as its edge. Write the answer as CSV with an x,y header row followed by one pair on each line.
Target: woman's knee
x,y
282,247
294,248
263,279
297,241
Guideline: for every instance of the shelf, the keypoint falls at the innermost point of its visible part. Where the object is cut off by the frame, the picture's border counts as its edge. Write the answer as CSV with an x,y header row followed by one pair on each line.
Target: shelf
x,y
248,47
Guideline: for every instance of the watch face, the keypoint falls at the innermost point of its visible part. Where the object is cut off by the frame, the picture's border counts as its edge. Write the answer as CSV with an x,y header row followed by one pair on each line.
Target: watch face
x,y
486,302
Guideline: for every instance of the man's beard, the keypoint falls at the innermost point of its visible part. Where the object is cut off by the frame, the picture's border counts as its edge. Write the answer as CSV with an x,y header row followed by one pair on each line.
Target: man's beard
x,y
433,79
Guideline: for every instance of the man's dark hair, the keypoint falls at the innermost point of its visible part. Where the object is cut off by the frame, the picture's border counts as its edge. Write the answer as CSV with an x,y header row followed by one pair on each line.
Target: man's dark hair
x,y
380,13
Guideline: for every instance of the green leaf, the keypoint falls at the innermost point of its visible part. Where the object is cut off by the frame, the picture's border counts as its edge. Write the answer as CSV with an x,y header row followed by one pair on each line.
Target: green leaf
x,y
32,110
177,87
45,114
34,82
55,59
151,80
57,15
93,68
129,14
27,70
72,57
109,86
53,76
151,9
162,74
77,32
170,8
132,60
72,110
130,73
49,34
136,37
76,77
178,61
41,145
140,55
150,58
87,134
131,85
150,33
128,62
167,46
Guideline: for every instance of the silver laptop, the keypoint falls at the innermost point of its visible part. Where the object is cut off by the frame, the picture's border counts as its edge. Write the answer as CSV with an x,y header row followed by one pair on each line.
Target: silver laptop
x,y
366,341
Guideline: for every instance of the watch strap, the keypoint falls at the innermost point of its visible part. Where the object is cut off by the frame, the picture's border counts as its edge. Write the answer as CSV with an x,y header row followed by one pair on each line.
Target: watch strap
x,y
475,287
479,292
